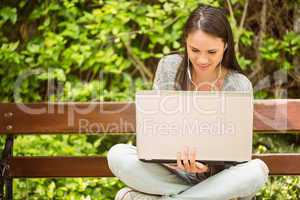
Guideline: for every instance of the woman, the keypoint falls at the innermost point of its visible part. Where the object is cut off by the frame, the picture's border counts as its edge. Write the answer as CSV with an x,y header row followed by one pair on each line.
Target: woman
x,y
208,63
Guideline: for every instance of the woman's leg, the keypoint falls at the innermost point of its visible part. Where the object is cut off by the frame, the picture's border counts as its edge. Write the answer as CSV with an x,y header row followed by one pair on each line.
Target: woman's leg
x,y
242,180
149,178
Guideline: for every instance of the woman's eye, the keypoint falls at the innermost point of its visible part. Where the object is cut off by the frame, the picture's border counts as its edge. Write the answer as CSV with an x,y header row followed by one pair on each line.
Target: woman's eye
x,y
212,52
194,50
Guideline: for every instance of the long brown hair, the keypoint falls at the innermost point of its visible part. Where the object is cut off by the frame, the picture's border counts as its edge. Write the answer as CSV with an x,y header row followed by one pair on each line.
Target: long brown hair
x,y
212,21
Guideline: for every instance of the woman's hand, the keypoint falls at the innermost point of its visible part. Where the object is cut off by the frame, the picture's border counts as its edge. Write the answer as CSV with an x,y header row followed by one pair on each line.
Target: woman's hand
x,y
186,160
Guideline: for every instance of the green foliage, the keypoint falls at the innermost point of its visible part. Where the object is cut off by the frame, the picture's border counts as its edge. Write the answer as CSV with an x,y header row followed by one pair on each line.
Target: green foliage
x,y
68,189
291,43
277,51
278,187
8,14
104,51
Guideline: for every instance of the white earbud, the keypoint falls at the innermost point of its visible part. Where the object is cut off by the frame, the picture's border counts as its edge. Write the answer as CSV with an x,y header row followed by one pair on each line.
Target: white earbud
x,y
225,47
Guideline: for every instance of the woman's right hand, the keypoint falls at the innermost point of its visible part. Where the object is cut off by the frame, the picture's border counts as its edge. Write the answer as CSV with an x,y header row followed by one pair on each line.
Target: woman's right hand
x,y
186,160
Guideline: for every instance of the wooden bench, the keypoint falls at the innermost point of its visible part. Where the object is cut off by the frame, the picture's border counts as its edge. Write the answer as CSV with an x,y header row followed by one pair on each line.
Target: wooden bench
x,y
270,116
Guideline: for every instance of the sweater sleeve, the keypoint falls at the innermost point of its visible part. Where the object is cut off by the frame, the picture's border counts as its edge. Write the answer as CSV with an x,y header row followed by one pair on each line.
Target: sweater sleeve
x,y
165,74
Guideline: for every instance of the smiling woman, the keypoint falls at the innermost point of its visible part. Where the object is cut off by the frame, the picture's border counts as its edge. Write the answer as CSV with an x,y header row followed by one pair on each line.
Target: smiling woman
x,y
208,63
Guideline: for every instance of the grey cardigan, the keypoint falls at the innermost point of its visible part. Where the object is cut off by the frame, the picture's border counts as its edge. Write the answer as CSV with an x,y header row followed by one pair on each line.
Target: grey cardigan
x,y
165,79
167,68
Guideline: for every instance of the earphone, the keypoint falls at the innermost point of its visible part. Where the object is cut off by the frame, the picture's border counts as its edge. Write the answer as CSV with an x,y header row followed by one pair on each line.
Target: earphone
x,y
225,47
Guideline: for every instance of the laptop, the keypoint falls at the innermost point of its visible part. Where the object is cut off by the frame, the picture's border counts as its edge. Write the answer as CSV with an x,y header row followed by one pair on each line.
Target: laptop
x,y
217,124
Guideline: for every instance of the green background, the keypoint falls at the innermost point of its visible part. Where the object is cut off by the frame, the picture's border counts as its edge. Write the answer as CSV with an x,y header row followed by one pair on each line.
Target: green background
x,y
106,50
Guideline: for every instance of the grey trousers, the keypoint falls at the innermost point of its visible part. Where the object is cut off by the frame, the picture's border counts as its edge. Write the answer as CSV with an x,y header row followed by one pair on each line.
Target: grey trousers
x,y
242,180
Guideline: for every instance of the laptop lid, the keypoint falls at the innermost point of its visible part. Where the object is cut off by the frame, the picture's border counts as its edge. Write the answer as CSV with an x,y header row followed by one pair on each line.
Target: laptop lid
x,y
218,125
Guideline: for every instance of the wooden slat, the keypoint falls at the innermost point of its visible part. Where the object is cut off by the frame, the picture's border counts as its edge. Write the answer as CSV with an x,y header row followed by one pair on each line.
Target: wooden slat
x,y
281,164
67,118
35,167
97,117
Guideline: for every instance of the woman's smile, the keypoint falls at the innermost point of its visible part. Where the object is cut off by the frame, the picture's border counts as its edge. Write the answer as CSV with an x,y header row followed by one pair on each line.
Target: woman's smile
x,y
203,67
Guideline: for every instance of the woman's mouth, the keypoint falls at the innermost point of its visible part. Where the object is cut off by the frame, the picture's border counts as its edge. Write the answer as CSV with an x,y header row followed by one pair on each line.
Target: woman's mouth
x,y
203,66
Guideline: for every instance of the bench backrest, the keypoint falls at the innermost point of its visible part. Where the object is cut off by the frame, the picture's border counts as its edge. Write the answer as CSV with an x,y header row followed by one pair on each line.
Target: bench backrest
x,y
270,116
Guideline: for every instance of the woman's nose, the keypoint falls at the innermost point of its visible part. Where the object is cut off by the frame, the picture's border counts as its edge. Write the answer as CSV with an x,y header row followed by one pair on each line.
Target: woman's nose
x,y
202,60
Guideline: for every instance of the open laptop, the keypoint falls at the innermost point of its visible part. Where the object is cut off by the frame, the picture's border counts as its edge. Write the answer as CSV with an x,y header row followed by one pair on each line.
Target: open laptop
x,y
217,124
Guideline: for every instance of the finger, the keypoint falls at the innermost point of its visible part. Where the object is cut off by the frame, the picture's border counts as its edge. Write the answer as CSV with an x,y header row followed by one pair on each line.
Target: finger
x,y
200,171
179,163
201,168
192,159
185,159
201,165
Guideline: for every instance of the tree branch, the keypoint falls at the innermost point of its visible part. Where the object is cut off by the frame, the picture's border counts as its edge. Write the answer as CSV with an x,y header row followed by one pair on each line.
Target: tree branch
x,y
236,48
230,9
145,72
263,18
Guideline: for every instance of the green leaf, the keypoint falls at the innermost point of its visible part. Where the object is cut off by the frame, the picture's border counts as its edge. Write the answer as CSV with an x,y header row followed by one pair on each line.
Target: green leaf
x,y
8,13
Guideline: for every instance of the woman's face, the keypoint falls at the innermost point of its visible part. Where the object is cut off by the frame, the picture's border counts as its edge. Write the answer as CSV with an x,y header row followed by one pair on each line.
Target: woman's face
x,y
205,53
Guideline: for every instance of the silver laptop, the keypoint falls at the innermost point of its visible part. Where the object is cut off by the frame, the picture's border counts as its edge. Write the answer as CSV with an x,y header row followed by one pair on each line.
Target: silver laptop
x,y
218,125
